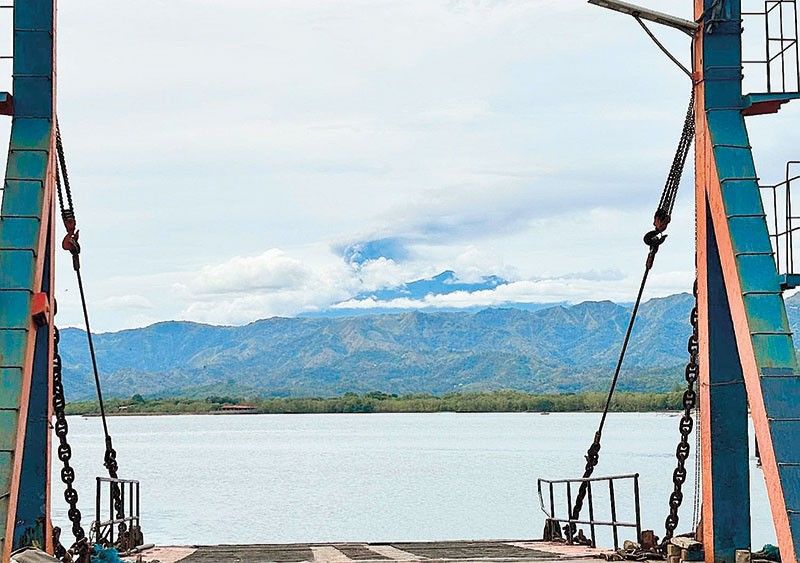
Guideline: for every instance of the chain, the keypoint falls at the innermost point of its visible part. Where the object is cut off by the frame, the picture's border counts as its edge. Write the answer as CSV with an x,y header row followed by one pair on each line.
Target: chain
x,y
81,546
110,461
685,427
696,508
667,203
62,164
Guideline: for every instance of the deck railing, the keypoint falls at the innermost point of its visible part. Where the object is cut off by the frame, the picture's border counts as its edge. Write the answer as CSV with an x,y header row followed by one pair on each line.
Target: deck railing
x,y
126,524
775,35
571,487
783,223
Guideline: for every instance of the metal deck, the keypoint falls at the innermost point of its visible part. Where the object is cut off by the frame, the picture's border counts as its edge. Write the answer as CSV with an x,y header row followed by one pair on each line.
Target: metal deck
x,y
440,551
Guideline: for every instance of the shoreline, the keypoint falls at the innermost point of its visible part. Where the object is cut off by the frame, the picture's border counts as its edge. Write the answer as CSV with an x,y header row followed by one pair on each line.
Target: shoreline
x,y
378,402
220,413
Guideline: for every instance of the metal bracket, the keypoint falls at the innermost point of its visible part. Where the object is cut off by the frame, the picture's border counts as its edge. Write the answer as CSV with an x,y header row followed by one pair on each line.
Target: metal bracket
x,y
40,309
6,104
765,103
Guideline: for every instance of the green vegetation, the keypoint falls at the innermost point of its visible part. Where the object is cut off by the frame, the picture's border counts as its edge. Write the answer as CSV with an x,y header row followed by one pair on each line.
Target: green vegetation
x,y
377,402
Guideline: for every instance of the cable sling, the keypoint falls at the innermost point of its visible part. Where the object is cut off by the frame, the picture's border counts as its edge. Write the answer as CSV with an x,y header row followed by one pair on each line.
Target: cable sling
x,y
71,244
653,239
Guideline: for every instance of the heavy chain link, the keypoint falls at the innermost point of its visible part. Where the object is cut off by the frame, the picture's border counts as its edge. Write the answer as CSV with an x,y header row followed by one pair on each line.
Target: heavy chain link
x,y
81,547
110,462
685,426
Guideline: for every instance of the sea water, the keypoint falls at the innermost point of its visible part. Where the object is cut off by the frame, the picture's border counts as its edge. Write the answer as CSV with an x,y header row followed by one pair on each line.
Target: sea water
x,y
208,479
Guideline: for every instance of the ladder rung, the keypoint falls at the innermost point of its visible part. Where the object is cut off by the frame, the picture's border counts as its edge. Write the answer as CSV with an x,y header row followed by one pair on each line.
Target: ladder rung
x,y
726,383
729,146
25,179
761,292
740,179
10,248
754,254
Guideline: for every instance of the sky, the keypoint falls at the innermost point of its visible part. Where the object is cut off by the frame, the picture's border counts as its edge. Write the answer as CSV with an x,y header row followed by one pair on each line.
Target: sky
x,y
241,160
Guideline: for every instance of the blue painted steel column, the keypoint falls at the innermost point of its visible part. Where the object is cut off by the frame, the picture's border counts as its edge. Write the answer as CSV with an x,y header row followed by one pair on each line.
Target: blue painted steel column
x,y
726,174
726,481
24,229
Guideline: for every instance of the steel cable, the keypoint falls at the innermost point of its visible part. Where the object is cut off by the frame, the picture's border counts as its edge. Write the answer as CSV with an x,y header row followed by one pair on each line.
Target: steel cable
x,y
653,239
71,244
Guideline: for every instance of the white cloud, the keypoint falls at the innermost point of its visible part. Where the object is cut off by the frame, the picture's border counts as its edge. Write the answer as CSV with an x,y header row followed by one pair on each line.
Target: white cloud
x,y
247,288
571,289
126,302
246,308
383,272
272,270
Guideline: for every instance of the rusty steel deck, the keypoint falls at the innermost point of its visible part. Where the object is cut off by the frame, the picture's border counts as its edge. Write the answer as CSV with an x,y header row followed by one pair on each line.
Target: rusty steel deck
x,y
439,551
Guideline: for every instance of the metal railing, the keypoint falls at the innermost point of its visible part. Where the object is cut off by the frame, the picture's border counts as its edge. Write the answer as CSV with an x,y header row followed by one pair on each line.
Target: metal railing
x,y
127,524
781,57
782,223
572,486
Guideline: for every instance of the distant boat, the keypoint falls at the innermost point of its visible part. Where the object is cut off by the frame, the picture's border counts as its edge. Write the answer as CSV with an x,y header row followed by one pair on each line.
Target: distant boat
x,y
544,413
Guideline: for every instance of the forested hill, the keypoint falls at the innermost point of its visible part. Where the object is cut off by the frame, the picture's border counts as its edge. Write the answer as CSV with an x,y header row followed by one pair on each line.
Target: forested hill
x,y
553,349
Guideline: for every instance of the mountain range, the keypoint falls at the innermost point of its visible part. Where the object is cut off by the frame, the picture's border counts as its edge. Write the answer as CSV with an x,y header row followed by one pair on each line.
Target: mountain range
x,y
560,348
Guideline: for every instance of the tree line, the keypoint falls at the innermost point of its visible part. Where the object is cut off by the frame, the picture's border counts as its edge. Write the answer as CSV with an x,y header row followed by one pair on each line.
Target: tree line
x,y
379,402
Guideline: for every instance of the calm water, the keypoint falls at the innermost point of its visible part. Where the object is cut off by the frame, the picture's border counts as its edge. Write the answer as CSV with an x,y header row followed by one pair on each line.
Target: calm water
x,y
294,478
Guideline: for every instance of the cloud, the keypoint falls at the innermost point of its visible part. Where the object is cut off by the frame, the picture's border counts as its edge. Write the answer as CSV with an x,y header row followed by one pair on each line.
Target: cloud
x,y
572,288
278,282
457,111
126,302
246,288
590,275
272,270
491,207
442,217
383,273
389,248
274,283
247,308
